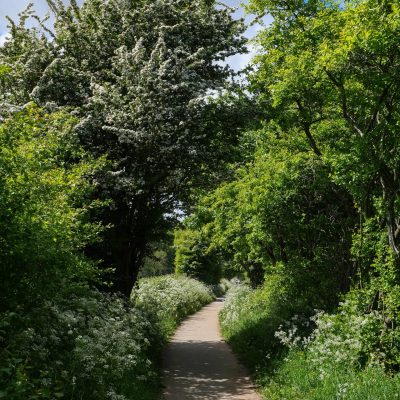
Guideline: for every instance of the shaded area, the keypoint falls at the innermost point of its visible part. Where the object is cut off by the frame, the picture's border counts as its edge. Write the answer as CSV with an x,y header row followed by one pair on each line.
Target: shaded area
x,y
199,365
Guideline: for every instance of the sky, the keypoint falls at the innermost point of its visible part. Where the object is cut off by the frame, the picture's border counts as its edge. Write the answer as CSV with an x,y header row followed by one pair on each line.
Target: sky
x,y
13,7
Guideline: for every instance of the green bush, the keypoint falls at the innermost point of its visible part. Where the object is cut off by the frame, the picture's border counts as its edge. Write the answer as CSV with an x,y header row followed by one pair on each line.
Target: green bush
x,y
168,299
281,214
90,345
350,354
296,378
223,286
44,191
250,319
75,346
194,258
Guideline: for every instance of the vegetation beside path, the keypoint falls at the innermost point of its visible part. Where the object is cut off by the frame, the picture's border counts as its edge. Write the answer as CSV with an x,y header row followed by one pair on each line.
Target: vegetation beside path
x,y
311,216
293,357
121,130
85,344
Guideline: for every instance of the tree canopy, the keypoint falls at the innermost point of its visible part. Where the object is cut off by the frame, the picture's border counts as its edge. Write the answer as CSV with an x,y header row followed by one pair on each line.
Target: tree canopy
x,y
122,131
137,75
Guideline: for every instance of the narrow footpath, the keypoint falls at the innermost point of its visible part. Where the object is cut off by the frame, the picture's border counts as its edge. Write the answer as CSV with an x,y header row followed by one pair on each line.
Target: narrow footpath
x,y
199,365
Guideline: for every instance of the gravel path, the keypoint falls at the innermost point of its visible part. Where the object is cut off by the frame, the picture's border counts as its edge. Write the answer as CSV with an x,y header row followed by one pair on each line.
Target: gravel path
x,y
199,365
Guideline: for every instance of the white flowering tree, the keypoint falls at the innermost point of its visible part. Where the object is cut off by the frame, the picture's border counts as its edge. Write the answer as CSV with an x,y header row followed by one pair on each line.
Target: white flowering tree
x,y
137,73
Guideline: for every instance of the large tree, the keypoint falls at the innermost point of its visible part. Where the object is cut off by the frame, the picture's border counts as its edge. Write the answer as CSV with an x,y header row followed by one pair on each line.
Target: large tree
x,y
332,71
137,74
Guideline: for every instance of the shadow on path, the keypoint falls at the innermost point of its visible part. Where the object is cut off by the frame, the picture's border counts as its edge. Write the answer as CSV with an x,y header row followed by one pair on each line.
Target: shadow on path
x,y
199,365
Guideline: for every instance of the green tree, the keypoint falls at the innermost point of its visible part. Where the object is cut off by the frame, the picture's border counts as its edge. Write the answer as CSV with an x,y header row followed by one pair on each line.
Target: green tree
x,y
281,215
333,69
330,71
160,260
137,75
194,257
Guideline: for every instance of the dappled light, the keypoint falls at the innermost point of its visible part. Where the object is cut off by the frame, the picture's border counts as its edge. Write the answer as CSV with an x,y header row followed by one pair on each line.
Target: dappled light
x,y
198,364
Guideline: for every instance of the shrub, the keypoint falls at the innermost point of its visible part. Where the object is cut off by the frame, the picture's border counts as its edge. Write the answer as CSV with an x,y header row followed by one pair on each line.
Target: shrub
x,y
349,354
168,299
296,378
90,345
223,286
194,258
44,190
75,346
251,317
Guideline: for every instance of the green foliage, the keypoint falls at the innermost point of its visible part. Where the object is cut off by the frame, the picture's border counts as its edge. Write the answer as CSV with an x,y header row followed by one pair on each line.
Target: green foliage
x,y
331,73
281,216
160,260
85,344
250,319
76,346
298,379
137,75
43,206
193,257
345,354
330,77
344,357
168,299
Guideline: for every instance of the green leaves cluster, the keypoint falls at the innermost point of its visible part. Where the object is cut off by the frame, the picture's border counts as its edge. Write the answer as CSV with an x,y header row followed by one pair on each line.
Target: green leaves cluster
x,y
44,204
137,76
282,214
194,258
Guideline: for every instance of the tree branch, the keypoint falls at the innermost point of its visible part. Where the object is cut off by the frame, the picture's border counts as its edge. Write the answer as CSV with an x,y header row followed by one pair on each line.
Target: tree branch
x,y
306,126
374,118
349,118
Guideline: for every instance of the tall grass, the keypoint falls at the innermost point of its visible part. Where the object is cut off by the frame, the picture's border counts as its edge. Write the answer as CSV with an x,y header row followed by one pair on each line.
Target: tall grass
x,y
297,378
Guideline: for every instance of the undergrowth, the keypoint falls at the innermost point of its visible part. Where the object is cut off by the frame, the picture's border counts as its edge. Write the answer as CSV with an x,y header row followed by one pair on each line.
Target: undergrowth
x,y
326,356
90,345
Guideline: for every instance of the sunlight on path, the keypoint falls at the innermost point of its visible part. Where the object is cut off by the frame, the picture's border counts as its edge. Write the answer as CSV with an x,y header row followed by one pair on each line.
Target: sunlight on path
x,y
198,365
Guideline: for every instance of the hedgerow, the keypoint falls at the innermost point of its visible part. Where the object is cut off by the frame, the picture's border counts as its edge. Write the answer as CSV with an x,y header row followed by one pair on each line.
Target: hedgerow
x,y
92,345
348,354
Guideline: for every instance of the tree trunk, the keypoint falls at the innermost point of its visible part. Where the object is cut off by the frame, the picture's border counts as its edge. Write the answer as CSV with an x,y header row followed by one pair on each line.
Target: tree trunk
x,y
127,273
255,273
389,191
124,245
133,254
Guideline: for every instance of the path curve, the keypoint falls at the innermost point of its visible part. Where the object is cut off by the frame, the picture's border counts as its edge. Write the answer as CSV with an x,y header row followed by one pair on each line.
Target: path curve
x,y
199,365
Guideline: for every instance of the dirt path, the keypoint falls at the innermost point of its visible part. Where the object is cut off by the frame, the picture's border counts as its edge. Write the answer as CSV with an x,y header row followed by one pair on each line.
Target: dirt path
x,y
198,365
